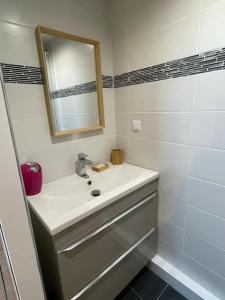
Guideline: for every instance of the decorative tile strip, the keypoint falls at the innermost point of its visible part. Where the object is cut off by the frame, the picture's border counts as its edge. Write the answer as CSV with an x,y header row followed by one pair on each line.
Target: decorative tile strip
x,y
107,81
32,75
21,74
85,88
201,63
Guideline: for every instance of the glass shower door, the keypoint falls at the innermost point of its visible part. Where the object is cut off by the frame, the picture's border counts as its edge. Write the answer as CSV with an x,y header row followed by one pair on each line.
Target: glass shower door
x,y
2,287
7,291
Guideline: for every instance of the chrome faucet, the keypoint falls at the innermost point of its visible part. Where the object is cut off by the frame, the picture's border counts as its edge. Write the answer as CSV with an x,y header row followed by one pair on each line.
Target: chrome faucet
x,y
81,165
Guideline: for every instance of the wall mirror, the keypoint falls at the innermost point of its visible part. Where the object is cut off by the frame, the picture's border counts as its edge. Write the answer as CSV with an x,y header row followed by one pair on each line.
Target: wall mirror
x,y
72,81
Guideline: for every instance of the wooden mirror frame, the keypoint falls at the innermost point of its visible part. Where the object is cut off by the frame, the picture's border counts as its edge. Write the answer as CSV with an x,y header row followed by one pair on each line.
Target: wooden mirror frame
x,y
52,124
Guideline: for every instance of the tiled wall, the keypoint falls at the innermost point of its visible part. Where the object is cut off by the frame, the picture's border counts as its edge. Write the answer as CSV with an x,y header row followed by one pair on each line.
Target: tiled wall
x,y
182,118
183,126
18,46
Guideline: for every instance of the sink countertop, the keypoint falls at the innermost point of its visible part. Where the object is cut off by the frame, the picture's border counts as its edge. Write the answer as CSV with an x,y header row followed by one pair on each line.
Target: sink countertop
x,y
66,201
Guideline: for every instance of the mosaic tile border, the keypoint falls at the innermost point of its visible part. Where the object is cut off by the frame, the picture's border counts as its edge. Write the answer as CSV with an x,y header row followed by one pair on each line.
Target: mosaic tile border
x,y
32,75
85,88
200,63
21,74
80,89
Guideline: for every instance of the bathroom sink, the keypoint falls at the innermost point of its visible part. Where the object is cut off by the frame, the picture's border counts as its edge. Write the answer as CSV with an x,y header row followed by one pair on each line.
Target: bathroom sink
x,y
68,200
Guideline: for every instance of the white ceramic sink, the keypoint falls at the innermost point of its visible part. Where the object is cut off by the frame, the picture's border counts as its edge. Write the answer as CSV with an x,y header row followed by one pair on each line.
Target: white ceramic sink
x,y
68,200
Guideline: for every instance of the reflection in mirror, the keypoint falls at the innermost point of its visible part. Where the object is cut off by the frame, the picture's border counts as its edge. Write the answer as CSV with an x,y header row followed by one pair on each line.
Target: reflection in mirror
x,y
72,83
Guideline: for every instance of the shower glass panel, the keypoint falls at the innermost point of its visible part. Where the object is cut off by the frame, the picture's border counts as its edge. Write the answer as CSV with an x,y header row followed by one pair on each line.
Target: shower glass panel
x,y
7,290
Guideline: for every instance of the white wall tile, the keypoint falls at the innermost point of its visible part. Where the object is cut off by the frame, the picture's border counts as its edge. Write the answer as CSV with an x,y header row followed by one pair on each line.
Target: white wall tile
x,y
18,38
148,125
110,125
123,143
32,135
175,10
55,162
83,103
208,129
169,253
106,60
82,22
122,99
109,103
26,101
122,124
173,157
206,196
208,164
206,226
71,121
212,18
160,155
166,95
143,153
170,127
205,3
120,56
99,7
46,13
205,253
171,233
171,210
118,22
98,150
175,41
150,15
209,91
173,185
210,280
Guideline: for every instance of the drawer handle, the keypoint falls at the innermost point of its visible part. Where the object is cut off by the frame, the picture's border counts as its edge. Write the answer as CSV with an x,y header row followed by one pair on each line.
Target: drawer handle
x,y
106,225
114,264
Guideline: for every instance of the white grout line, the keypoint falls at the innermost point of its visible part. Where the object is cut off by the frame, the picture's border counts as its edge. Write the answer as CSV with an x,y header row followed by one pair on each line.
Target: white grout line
x,y
211,5
205,212
207,241
136,293
191,257
199,28
162,292
163,27
17,24
204,266
178,144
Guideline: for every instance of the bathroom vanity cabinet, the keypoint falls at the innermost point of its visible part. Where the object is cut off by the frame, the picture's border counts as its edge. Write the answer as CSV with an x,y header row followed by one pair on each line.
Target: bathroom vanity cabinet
x,y
95,258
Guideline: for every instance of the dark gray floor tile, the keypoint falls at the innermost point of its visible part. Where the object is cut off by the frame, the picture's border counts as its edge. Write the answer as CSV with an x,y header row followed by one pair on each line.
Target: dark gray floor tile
x,y
127,294
171,294
148,285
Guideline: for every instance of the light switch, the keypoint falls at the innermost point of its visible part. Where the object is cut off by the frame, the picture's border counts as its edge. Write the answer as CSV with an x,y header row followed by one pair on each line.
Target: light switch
x,y
136,125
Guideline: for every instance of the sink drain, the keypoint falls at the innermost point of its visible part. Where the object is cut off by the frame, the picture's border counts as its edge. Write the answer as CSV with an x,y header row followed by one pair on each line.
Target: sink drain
x,y
95,193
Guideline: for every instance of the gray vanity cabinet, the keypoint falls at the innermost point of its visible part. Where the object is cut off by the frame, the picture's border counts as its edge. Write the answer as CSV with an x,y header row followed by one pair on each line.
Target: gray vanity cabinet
x,y
96,258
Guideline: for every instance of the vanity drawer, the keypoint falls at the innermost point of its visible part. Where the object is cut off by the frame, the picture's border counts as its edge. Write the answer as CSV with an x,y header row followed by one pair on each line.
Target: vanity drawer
x,y
81,262
108,287
90,223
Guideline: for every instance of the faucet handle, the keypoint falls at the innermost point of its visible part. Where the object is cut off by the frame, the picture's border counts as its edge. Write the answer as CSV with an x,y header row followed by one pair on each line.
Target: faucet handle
x,y
82,156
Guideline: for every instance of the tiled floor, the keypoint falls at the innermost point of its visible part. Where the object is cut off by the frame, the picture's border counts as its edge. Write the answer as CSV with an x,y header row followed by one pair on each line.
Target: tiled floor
x,y
148,286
